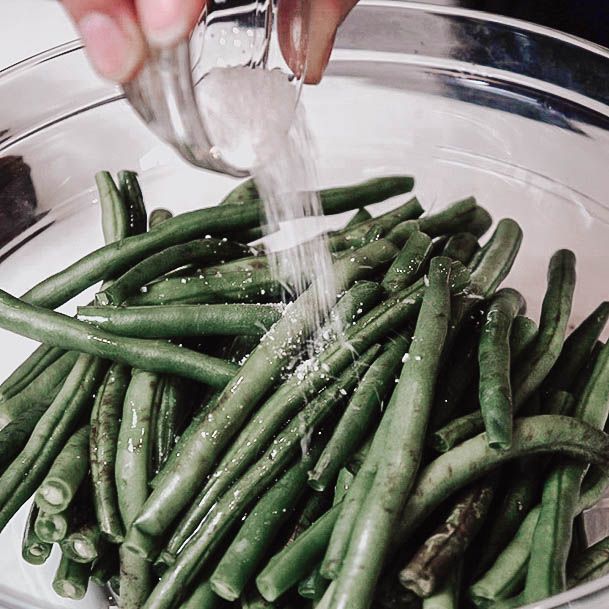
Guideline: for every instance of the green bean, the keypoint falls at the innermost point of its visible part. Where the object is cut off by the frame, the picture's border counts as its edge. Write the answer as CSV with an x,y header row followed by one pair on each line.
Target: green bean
x,y
555,313
341,533
105,424
474,458
115,219
583,378
33,549
364,193
71,579
30,369
115,258
42,390
495,389
358,300
24,475
591,565
132,196
170,415
157,356
336,200
461,247
297,559
316,505
240,562
458,373
479,223
134,444
260,371
410,263
158,216
202,597
447,596
258,477
443,549
403,441
132,468
359,235
506,576
361,215
546,575
15,435
202,251
183,320
313,586
522,493
453,388
83,544
533,369
51,528
576,351
66,474
211,287
454,218
106,566
524,332
364,407
245,191
251,599
344,479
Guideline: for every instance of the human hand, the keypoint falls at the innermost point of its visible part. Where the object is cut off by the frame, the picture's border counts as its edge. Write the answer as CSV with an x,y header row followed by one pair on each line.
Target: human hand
x,y
117,33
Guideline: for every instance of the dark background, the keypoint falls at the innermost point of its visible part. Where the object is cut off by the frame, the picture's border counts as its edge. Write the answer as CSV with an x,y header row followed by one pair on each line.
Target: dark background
x,y
586,18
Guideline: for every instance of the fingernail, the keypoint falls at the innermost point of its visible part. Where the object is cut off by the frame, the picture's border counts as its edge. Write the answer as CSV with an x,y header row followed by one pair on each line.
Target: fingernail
x,y
165,22
114,52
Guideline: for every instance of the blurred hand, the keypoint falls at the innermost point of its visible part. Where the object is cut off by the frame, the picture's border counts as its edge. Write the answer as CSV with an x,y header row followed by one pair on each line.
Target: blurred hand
x,y
118,32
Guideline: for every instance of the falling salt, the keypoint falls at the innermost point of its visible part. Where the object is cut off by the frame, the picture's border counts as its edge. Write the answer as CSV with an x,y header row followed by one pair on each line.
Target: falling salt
x,y
255,122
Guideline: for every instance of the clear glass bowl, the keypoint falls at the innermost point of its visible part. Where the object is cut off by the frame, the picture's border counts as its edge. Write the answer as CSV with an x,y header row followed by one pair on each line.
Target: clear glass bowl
x,y
512,113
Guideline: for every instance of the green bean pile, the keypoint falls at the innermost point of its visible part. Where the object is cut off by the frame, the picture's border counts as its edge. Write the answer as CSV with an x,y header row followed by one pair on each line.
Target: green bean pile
x,y
437,452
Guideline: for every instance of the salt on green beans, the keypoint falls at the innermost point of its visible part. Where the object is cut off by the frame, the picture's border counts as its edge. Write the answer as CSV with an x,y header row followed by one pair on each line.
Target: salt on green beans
x,y
115,258
409,264
293,433
105,425
203,251
173,321
115,218
241,396
133,198
364,407
284,448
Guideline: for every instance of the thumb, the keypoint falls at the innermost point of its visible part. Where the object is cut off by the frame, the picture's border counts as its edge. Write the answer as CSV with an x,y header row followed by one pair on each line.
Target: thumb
x,y
324,18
